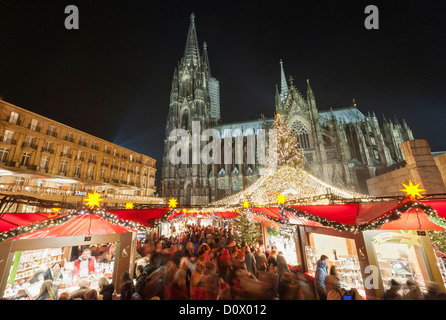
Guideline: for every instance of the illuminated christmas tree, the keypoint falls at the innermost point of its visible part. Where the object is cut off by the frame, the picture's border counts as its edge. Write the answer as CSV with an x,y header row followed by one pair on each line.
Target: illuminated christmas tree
x,y
246,230
287,151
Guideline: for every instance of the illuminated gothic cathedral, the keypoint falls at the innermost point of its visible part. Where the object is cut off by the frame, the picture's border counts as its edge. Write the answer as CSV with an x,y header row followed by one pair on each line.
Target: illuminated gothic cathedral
x,y
342,147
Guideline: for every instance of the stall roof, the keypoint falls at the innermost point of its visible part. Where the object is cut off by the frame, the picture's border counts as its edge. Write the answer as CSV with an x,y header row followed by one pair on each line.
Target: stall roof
x,y
275,214
145,217
353,214
82,225
10,221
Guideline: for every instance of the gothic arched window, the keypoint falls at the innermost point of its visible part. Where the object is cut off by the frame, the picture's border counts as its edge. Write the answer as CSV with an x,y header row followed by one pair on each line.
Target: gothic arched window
x,y
300,130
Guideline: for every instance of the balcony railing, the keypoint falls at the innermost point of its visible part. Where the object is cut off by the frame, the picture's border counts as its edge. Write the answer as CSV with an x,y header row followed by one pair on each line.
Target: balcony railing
x,y
12,187
80,158
15,121
66,155
35,128
8,140
48,150
29,145
51,133
68,138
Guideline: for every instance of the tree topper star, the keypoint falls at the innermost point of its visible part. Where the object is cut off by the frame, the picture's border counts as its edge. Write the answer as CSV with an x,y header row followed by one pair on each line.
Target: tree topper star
x,y
412,190
93,199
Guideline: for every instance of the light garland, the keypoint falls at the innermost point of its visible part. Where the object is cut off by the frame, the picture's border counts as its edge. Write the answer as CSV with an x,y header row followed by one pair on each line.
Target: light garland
x,y
107,216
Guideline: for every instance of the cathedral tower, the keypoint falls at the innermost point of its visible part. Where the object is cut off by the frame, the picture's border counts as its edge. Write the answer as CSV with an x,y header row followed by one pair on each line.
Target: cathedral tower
x,y
194,101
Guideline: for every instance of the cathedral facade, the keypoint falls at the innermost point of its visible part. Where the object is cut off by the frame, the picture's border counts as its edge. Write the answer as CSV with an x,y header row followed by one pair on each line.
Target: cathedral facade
x,y
342,147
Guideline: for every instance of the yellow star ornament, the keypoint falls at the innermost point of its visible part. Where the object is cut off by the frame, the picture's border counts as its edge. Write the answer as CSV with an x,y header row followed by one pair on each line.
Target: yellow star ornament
x,y
129,205
245,204
412,190
173,203
281,199
93,199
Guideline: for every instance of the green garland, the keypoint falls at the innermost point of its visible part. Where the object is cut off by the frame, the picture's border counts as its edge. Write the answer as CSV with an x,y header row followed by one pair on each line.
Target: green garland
x,y
13,233
376,224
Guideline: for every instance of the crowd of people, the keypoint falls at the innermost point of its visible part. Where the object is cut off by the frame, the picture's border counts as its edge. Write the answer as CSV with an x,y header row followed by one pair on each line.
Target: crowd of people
x,y
205,263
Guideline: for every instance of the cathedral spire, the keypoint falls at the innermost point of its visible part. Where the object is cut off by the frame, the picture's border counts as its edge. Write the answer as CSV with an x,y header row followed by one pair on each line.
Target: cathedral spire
x,y
192,51
283,84
205,60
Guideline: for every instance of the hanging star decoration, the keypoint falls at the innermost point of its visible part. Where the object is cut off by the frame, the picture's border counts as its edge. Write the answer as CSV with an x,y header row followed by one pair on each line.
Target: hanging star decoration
x,y
173,203
129,205
410,238
281,199
245,204
93,200
55,212
412,191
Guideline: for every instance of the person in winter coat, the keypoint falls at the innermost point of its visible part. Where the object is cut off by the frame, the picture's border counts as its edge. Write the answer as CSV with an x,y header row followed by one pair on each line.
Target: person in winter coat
x,y
321,274
250,260
333,279
106,289
48,291
282,265
127,287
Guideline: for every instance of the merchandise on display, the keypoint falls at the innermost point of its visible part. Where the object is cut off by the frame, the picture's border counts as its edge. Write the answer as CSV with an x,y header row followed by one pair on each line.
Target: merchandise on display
x,y
27,275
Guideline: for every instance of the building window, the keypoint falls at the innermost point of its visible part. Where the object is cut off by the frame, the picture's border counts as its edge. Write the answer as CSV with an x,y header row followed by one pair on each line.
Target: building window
x,y
29,142
48,147
14,117
9,136
4,153
34,124
77,170
90,172
51,131
63,167
102,174
39,183
82,141
66,152
69,137
20,181
24,161
80,155
44,163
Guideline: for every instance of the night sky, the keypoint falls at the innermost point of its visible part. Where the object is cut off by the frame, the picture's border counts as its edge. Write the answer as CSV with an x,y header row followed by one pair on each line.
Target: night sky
x,y
112,77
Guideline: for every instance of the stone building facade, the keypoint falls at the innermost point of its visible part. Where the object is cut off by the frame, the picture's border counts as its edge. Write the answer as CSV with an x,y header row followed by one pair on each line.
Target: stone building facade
x,y
419,166
342,147
45,159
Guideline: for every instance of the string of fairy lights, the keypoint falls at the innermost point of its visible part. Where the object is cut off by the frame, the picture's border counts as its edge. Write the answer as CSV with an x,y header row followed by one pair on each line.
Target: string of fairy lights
x,y
173,215
92,207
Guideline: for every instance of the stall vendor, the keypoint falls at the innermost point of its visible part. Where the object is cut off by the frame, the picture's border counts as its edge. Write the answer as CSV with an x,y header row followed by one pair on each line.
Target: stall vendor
x,y
54,273
85,265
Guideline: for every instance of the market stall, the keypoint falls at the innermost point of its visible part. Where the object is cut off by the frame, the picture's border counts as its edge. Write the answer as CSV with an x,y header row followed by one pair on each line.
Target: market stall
x,y
37,247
